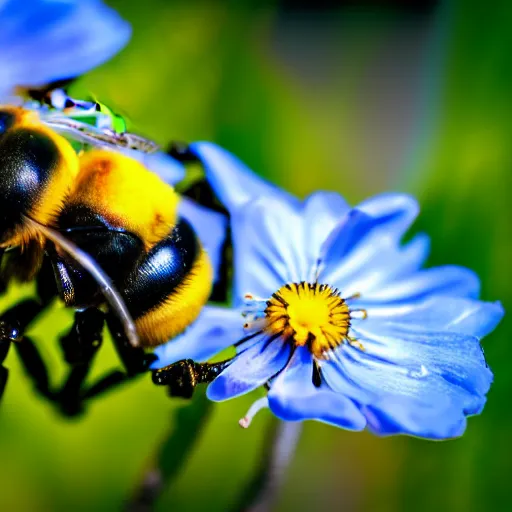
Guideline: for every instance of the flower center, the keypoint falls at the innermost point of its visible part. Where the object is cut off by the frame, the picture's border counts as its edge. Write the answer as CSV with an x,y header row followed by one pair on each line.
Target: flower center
x,y
308,314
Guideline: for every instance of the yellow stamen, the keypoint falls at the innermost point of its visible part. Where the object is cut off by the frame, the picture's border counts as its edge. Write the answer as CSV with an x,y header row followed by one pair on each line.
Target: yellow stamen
x,y
312,315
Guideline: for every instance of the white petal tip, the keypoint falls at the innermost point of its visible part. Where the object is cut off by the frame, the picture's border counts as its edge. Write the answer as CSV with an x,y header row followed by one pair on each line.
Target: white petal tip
x,y
253,410
245,422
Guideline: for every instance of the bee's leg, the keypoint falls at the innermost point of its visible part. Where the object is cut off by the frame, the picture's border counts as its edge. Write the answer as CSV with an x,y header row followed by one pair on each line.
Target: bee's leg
x,y
34,367
182,377
16,320
84,338
79,345
46,287
13,324
107,383
134,359
4,344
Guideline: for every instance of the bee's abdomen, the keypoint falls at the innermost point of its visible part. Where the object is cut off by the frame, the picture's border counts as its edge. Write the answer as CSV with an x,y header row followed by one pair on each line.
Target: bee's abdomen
x,y
169,287
162,270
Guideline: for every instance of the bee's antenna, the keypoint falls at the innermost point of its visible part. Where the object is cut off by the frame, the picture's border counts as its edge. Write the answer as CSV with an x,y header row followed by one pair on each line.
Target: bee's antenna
x,y
107,288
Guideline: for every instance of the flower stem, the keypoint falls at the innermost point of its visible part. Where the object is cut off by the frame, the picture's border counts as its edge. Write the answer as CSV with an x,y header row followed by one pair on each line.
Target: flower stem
x,y
263,491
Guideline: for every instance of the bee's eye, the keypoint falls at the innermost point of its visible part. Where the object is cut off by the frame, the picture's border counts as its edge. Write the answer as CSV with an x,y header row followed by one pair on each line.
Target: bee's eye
x,y
6,121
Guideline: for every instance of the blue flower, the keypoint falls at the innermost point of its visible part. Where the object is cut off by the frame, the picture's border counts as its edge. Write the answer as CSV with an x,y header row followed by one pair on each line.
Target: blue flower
x,y
46,40
341,322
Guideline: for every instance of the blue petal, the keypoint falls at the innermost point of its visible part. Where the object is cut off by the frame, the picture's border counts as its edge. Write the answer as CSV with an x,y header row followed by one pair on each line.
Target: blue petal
x,y
232,181
440,313
399,209
447,280
417,365
276,242
396,399
214,330
321,213
268,239
387,216
398,415
293,397
47,40
210,228
375,263
346,236
249,370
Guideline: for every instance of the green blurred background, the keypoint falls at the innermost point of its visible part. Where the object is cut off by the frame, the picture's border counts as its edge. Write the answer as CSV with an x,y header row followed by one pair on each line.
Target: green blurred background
x,y
359,98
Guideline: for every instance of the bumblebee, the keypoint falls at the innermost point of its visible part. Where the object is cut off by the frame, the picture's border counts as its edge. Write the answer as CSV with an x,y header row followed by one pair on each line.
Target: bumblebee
x,y
100,231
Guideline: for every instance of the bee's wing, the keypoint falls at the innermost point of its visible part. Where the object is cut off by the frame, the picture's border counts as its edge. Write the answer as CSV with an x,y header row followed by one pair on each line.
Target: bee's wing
x,y
147,152
107,288
90,134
